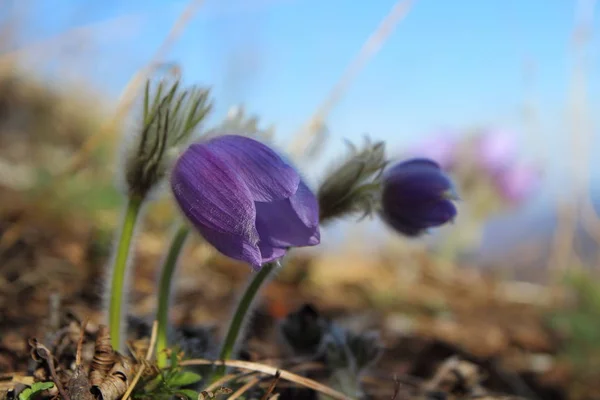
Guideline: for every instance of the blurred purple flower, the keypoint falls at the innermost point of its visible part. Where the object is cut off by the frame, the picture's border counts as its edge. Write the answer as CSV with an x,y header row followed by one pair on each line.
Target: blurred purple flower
x,y
245,199
495,149
517,182
416,196
441,148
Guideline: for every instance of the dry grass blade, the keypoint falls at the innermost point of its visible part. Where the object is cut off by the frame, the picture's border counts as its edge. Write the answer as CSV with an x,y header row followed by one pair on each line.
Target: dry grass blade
x,y
46,45
267,369
80,342
143,366
368,50
272,386
220,382
563,252
247,386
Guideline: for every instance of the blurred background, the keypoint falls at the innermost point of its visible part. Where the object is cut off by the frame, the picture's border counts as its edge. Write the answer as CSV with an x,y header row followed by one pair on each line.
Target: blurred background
x,y
503,94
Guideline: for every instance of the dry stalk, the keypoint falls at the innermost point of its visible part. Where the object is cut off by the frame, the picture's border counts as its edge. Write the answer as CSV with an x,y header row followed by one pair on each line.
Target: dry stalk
x,y
247,386
41,352
272,386
563,250
368,50
143,366
269,370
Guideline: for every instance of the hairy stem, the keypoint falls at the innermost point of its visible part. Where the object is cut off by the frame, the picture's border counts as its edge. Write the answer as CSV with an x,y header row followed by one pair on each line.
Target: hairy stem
x,y
164,293
240,313
134,205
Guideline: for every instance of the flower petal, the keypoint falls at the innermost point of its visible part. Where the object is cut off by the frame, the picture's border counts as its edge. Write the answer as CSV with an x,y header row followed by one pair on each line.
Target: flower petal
x,y
426,215
306,206
290,222
270,253
416,196
264,172
415,182
233,246
212,195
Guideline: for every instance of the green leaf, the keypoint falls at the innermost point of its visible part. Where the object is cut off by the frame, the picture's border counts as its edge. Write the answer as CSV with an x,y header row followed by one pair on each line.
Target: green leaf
x,y
189,394
184,378
35,389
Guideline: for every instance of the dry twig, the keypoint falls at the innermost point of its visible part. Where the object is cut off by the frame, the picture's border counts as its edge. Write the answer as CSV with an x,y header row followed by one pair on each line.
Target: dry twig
x,y
39,351
269,370
247,386
368,50
143,366
272,386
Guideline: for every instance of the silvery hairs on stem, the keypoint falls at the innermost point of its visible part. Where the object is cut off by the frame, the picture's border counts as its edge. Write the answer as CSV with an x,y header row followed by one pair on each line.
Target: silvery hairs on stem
x,y
170,115
353,187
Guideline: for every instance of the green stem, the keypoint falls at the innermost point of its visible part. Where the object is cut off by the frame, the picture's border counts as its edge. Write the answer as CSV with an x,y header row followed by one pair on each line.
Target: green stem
x,y
240,313
164,293
134,205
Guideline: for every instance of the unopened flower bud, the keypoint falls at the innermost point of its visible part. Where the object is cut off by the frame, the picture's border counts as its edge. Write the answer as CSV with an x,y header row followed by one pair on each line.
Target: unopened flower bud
x,y
417,195
170,116
353,187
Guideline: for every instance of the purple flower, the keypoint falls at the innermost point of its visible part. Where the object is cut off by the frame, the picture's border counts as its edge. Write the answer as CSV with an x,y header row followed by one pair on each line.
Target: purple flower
x,y
441,148
416,196
517,182
244,199
495,149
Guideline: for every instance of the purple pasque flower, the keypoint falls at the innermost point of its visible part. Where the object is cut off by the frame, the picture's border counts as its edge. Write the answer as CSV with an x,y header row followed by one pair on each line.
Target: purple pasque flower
x,y
440,148
495,149
417,195
517,182
244,199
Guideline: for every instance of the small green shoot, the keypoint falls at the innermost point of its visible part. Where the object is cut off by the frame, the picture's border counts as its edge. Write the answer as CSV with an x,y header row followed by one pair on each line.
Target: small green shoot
x,y
170,382
32,392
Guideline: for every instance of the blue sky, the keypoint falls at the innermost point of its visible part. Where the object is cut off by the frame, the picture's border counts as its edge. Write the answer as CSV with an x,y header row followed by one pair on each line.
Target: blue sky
x,y
449,64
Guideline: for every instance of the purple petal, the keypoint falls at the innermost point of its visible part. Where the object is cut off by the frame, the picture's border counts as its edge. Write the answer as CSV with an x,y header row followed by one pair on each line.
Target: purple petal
x,y
270,253
265,173
406,168
233,246
306,205
213,196
415,181
415,221
290,222
415,197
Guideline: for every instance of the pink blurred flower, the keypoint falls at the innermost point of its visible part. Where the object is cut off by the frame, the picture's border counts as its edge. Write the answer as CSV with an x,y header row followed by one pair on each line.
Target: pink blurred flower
x,y
496,149
518,182
440,148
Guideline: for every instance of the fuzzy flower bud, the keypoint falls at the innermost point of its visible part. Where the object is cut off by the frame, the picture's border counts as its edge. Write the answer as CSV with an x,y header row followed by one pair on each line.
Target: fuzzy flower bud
x,y
244,199
170,115
352,187
416,195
